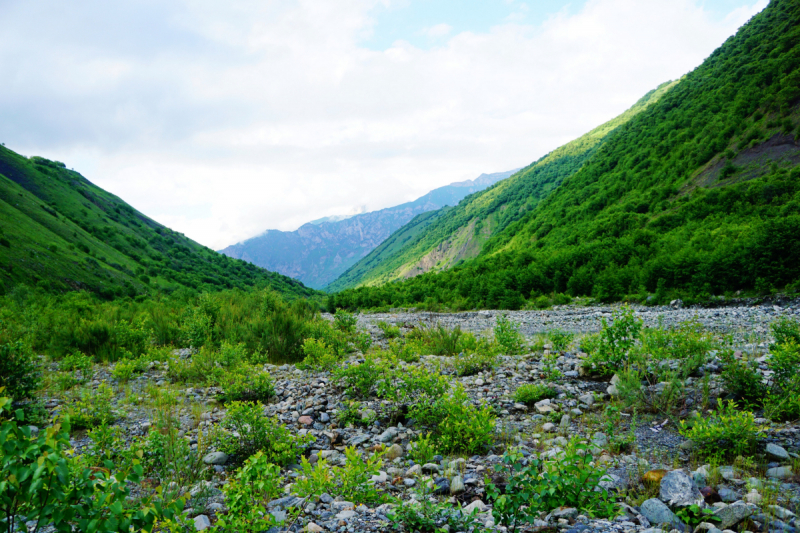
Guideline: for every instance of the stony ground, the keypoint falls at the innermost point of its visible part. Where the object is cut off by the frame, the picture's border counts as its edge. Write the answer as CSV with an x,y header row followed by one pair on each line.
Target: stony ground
x,y
309,402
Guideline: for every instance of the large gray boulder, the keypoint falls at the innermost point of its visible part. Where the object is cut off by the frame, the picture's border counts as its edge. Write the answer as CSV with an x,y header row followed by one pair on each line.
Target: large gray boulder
x,y
778,452
733,514
657,513
678,489
215,458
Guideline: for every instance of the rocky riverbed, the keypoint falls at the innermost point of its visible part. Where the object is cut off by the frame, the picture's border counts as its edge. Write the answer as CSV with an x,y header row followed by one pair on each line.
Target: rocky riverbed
x,y
743,497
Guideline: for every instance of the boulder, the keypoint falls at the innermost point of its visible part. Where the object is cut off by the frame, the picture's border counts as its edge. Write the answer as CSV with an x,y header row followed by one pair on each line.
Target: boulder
x,y
201,522
657,513
394,451
780,472
778,452
678,489
733,514
215,458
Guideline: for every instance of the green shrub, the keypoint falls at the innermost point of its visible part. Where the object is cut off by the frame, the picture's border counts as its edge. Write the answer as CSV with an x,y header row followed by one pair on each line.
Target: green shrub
x,y
727,434
360,380
246,384
590,343
530,393
425,516
344,321
742,379
351,414
389,331
472,363
616,341
232,355
77,362
570,480
785,362
42,483
507,335
441,341
560,339
93,408
255,484
350,481
247,431
457,425
407,351
786,330
422,450
411,384
19,373
318,356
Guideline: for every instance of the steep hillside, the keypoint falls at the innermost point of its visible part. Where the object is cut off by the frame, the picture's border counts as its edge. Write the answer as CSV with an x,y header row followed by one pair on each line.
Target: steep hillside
x,y
698,195
318,252
462,232
60,232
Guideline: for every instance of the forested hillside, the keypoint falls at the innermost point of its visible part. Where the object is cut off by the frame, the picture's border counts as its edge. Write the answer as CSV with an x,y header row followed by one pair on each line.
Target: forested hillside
x,y
698,195
461,233
60,232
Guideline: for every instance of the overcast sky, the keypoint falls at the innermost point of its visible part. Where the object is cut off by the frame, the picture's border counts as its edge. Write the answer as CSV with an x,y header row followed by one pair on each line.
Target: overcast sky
x,y
224,119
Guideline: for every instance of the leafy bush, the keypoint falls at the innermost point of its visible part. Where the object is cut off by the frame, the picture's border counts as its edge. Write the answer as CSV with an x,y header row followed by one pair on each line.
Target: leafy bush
x,y
43,484
248,431
472,363
507,335
404,351
19,374
168,457
344,321
422,450
246,384
93,408
530,393
441,341
77,362
351,481
412,384
247,495
729,432
590,343
786,330
457,425
568,481
361,379
426,516
389,331
318,356
560,339
742,379
232,355
616,341
125,368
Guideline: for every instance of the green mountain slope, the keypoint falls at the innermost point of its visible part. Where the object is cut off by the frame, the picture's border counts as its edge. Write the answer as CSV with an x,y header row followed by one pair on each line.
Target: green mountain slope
x,y
60,232
462,232
697,195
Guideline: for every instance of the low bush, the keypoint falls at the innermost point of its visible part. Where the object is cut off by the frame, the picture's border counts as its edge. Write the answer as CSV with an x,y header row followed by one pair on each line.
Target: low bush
x,y
406,351
389,331
92,408
344,321
246,384
472,363
425,516
318,356
360,380
742,379
560,339
43,484
255,484
19,373
507,335
351,481
441,341
786,330
530,393
412,384
125,368
422,450
245,430
456,425
615,342
725,435
570,480
79,363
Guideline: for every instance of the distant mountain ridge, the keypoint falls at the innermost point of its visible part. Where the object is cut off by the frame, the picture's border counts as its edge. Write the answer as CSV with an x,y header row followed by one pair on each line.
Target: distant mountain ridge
x,y
320,251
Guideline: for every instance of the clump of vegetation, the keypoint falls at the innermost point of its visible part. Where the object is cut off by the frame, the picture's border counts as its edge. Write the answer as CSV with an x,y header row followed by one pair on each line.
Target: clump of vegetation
x,y
389,331
507,335
254,485
615,342
728,433
246,431
560,339
473,363
534,486
247,384
530,393
92,408
350,481
456,424
19,373
318,356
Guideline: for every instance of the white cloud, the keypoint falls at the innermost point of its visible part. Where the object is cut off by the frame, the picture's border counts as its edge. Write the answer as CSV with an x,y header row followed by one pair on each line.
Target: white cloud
x,y
438,31
222,120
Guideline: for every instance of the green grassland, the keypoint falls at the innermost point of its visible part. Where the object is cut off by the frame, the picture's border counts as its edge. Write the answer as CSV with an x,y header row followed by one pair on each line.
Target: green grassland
x,y
60,232
697,195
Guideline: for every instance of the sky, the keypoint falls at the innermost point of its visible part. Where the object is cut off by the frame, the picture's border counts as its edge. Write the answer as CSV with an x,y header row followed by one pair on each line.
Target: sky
x,y
224,119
